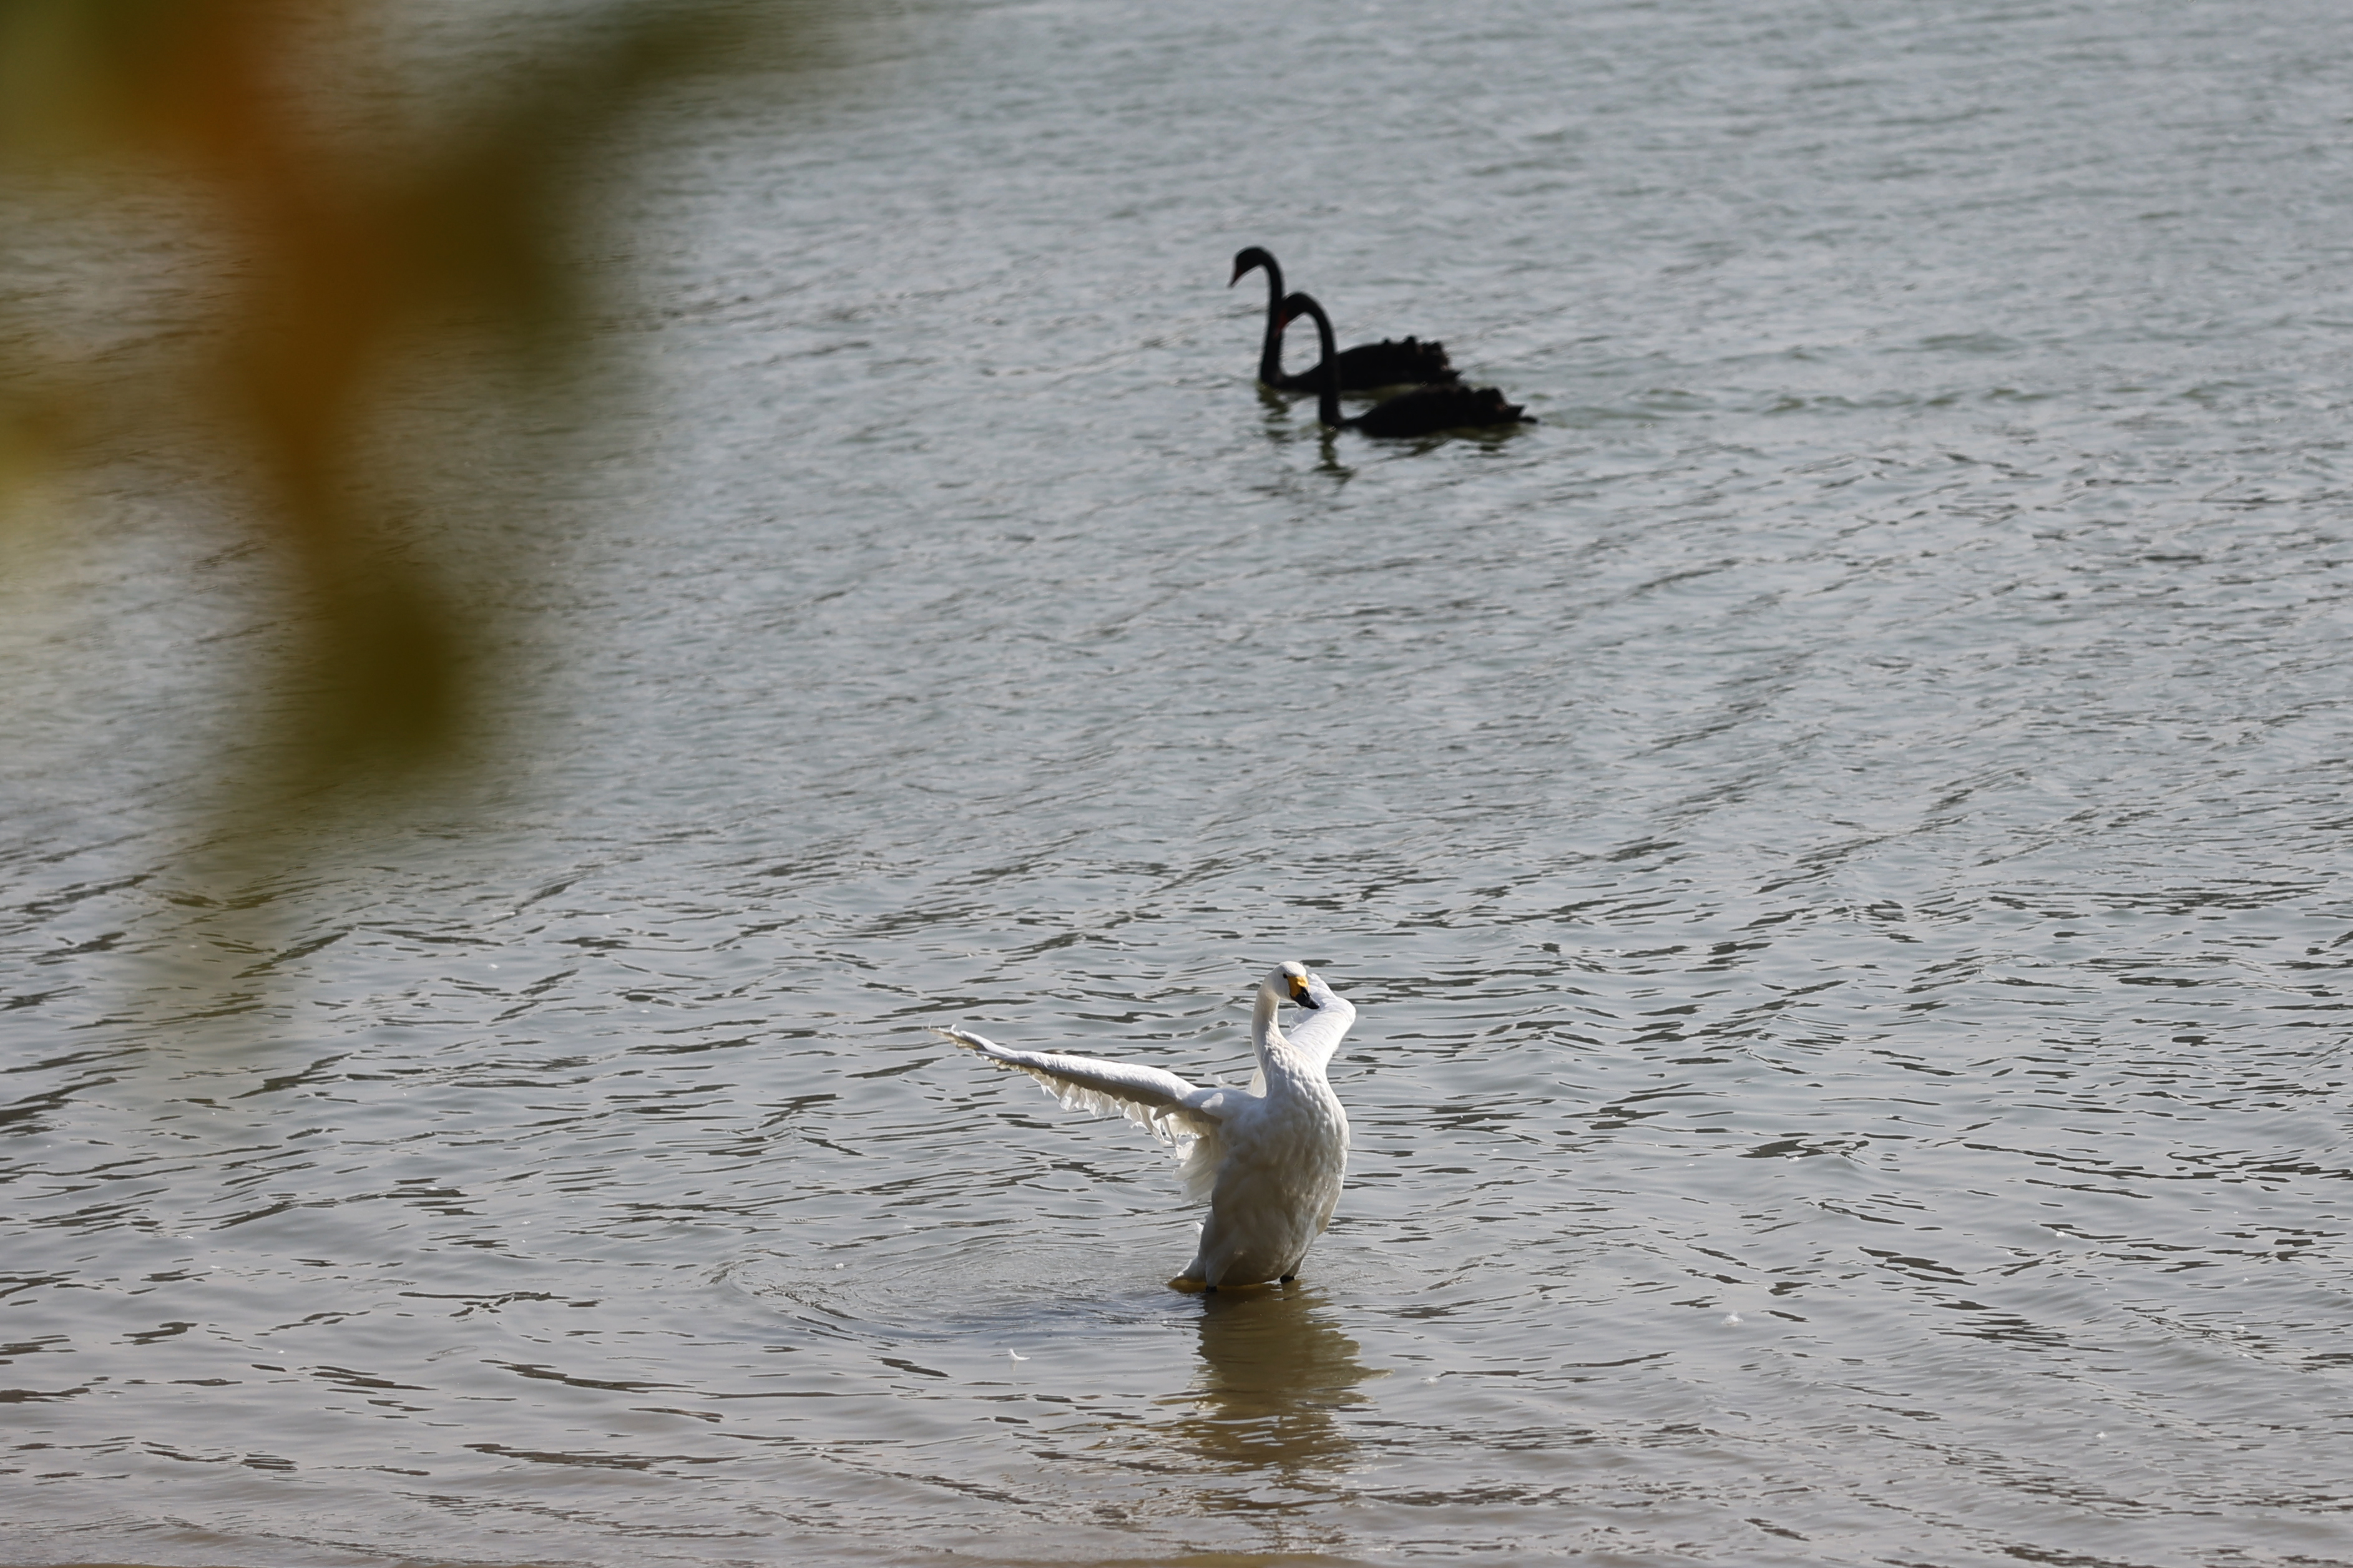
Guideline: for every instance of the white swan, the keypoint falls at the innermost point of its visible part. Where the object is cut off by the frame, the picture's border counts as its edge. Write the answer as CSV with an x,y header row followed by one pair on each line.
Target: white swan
x,y
1268,1159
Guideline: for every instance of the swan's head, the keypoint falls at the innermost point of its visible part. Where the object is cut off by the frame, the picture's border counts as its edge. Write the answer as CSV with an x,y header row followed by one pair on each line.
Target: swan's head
x,y
1294,982
1249,260
1297,305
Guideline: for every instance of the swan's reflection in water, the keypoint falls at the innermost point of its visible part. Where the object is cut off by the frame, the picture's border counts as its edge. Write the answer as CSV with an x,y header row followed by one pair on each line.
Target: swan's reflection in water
x,y
1275,1371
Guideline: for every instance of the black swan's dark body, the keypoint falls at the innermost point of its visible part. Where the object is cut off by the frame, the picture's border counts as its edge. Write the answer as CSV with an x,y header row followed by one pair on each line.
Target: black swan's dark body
x,y
1367,365
1424,411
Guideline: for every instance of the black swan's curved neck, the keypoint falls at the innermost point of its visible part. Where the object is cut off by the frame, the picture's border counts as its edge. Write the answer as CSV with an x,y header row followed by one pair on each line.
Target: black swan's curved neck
x,y
1327,378
1270,356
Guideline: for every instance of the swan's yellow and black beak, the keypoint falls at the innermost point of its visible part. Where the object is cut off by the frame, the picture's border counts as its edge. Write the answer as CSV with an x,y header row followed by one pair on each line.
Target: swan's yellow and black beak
x,y
1298,992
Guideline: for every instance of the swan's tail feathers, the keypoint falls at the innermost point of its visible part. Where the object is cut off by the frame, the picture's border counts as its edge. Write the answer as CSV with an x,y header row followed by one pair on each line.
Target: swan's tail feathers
x,y
1172,1110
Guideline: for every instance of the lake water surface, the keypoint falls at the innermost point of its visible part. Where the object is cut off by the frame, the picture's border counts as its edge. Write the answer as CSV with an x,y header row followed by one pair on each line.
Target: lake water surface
x,y
1838,838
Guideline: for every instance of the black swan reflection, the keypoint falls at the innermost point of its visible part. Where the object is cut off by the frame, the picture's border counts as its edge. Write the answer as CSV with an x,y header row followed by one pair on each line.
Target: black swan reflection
x,y
1424,411
1367,365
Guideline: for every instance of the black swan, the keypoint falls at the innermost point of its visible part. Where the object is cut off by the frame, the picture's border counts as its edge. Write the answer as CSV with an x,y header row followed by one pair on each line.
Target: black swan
x,y
1424,411
1368,365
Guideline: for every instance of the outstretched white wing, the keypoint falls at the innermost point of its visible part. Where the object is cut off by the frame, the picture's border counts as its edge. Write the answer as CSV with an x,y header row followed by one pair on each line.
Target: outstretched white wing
x,y
1173,1109
1318,1034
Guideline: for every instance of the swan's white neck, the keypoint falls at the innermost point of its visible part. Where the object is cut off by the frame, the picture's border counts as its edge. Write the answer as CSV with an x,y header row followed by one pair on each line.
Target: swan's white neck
x,y
1278,1059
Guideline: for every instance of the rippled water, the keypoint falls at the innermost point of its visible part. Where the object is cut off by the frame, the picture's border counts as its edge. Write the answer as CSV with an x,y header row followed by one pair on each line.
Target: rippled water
x,y
1838,837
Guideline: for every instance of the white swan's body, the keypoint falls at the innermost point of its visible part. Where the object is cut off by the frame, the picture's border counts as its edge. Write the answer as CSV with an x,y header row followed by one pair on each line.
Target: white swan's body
x,y
1268,1159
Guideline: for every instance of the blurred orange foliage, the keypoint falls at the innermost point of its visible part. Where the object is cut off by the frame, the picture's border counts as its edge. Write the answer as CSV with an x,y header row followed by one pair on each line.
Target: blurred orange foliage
x,y
343,251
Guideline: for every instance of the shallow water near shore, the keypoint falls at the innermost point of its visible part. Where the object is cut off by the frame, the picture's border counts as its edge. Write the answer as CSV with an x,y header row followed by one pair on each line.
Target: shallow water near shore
x,y
1838,837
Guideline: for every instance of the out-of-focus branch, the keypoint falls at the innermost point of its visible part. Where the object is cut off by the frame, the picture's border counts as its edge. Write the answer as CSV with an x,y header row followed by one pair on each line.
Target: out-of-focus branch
x,y
342,258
